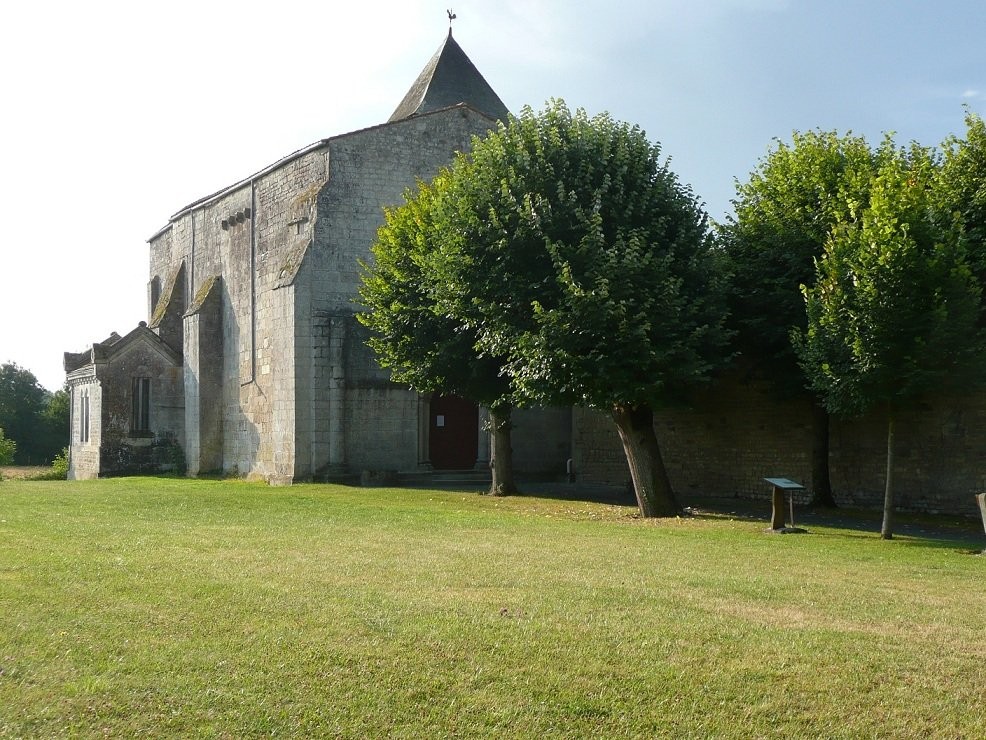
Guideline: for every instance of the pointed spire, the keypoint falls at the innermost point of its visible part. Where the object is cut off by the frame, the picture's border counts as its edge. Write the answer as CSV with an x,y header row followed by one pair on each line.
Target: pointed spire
x,y
448,79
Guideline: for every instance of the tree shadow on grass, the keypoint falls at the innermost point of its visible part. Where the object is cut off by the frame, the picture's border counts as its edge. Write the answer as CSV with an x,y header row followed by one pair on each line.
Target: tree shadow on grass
x,y
910,530
596,493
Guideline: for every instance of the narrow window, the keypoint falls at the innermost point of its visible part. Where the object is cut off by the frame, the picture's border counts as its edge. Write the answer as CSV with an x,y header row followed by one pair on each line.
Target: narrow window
x,y
140,420
84,417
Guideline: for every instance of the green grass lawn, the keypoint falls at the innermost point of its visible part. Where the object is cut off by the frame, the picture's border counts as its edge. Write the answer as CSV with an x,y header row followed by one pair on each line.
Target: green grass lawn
x,y
169,607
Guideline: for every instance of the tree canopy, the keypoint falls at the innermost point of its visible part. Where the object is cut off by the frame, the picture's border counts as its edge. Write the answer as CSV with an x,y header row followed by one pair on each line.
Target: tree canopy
x,y
31,416
574,253
422,347
566,260
8,448
579,255
893,312
960,189
783,217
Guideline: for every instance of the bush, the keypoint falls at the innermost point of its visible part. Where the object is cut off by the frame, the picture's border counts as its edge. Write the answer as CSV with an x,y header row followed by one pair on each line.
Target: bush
x,y
59,468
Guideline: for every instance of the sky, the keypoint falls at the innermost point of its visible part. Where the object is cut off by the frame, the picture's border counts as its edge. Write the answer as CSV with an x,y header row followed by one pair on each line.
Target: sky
x,y
114,115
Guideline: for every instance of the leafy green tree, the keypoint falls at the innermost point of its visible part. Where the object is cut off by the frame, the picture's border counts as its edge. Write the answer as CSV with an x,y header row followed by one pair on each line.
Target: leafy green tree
x,y
7,449
575,254
32,417
893,312
783,217
960,189
429,351
22,401
54,424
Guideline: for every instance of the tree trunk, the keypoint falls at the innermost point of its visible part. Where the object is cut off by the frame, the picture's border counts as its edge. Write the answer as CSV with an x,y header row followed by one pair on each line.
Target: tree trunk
x,y
821,483
886,531
650,478
501,461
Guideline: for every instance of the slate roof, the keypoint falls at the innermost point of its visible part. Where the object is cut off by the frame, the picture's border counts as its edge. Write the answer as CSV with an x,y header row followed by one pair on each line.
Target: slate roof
x,y
448,79
102,351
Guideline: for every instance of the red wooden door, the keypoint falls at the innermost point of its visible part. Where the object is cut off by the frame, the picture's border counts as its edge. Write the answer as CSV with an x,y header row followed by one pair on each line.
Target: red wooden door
x,y
453,438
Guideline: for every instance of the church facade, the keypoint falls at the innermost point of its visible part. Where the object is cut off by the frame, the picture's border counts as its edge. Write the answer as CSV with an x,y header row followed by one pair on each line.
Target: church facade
x,y
251,361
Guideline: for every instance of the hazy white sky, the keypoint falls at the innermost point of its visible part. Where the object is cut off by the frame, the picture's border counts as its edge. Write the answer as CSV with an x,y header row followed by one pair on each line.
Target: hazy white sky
x,y
116,114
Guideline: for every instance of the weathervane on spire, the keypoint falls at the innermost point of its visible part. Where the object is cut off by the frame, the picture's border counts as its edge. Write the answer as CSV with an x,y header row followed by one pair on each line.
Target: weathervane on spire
x,y
451,17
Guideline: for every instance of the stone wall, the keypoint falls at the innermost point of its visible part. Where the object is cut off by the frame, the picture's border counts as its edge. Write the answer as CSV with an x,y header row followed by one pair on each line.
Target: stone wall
x,y
121,448
84,454
735,434
723,443
203,368
381,420
369,170
541,440
382,429
359,419
940,456
250,236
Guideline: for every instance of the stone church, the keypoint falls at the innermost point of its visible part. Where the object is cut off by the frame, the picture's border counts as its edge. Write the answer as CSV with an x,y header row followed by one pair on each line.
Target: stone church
x,y
251,361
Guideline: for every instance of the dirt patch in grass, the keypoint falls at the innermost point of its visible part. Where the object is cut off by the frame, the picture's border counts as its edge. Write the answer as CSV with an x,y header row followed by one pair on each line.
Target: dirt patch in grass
x,y
22,471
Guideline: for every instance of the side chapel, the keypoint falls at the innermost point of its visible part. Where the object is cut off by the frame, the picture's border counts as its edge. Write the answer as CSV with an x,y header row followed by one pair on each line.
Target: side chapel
x,y
251,361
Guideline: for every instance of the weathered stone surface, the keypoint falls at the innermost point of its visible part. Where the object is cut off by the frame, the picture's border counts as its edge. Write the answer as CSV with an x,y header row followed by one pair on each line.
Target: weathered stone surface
x,y
203,332
276,381
110,444
735,434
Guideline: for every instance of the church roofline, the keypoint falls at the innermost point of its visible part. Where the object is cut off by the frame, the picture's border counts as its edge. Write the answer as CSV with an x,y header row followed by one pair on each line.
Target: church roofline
x,y
101,352
450,77
322,143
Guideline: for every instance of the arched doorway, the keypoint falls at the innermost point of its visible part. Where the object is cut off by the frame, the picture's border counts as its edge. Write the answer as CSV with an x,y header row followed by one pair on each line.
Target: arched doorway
x,y
453,433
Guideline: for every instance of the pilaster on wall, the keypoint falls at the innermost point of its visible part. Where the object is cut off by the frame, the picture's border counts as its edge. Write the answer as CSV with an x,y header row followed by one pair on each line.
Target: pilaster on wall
x,y
276,380
304,397
319,398
329,393
337,394
483,453
203,351
192,375
424,416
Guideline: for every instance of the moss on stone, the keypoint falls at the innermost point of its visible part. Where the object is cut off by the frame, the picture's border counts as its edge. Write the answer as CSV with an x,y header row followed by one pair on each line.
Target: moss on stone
x,y
201,295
